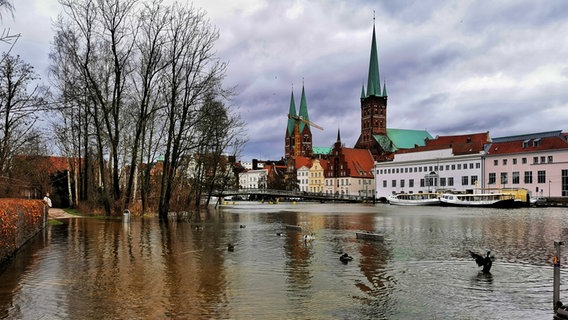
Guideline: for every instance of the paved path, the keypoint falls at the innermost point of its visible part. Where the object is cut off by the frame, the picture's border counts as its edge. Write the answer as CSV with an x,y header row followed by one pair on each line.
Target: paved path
x,y
56,213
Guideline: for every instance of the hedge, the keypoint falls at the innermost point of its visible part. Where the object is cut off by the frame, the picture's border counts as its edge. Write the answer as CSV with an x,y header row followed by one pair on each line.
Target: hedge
x,y
20,220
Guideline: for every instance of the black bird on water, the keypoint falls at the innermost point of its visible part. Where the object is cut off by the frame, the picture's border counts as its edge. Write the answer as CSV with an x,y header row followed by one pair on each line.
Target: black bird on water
x,y
230,247
485,262
345,258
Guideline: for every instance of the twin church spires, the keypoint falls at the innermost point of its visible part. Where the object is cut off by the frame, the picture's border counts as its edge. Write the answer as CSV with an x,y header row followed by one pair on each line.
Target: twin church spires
x,y
373,114
298,133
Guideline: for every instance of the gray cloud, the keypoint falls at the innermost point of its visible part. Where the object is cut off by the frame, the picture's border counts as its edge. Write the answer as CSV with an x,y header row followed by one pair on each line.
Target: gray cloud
x,y
450,67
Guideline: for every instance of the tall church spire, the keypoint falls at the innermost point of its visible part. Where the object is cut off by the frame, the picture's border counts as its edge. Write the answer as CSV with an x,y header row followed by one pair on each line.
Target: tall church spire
x,y
292,112
374,79
303,110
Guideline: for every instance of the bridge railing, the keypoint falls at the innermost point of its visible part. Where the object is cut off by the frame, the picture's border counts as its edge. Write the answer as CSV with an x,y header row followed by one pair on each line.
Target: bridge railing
x,y
290,194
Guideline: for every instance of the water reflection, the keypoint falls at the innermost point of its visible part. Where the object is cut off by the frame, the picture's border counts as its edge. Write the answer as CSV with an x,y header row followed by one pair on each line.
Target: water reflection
x,y
93,269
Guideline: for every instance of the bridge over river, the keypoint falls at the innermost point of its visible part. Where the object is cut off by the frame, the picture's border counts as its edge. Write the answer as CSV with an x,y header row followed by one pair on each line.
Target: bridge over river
x,y
294,195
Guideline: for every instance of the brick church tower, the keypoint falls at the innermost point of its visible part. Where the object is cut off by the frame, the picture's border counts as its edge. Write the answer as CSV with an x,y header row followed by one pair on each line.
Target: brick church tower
x,y
298,133
373,106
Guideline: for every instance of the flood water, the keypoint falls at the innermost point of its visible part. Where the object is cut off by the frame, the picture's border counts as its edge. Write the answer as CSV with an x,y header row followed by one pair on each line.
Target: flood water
x,y
106,269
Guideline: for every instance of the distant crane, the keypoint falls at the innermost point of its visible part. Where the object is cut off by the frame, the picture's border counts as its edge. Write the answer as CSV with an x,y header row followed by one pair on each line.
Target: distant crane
x,y
297,130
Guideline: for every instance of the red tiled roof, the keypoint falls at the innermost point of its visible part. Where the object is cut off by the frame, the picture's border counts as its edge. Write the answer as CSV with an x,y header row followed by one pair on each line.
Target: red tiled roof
x,y
324,164
301,161
460,144
360,162
524,146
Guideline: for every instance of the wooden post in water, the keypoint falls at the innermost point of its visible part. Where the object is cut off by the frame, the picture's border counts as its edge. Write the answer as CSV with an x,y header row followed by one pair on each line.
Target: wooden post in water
x,y
556,285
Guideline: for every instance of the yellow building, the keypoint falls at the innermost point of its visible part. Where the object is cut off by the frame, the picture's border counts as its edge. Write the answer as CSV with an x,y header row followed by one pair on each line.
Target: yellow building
x,y
316,177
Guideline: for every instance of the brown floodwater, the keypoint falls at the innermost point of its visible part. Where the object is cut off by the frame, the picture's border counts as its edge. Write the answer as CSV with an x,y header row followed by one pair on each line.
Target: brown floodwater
x,y
107,269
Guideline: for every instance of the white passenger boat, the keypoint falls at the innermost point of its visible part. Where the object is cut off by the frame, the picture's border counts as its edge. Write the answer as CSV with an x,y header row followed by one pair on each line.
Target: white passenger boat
x,y
414,199
495,200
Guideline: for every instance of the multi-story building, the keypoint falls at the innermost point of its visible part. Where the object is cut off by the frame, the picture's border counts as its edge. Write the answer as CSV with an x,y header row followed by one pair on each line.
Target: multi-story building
x,y
316,176
447,162
253,179
537,162
302,174
349,171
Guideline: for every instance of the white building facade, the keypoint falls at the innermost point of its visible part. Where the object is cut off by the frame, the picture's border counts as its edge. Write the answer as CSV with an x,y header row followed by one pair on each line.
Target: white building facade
x,y
302,175
253,179
428,171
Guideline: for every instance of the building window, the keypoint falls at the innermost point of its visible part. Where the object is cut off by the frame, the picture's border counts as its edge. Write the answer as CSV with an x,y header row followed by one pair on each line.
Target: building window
x,y
477,165
541,176
411,183
393,183
504,162
459,166
524,160
442,182
504,178
384,183
447,167
471,165
402,183
464,180
535,160
474,180
450,181
453,167
543,159
422,183
528,176
550,159
516,177
564,183
495,162
492,178
515,161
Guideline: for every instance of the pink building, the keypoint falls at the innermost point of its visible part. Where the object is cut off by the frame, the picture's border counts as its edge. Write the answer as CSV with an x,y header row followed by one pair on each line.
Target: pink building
x,y
537,162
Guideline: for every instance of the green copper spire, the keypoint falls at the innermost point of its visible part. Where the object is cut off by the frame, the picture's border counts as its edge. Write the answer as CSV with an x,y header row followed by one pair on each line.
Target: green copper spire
x,y
291,111
303,110
384,89
374,80
363,96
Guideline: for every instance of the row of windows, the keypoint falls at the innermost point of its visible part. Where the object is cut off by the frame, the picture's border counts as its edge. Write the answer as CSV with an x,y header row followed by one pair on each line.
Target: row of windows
x,y
305,174
433,182
516,178
536,160
447,167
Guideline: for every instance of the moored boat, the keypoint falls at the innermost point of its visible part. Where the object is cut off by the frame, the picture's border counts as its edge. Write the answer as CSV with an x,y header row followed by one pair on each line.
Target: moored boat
x,y
494,200
414,199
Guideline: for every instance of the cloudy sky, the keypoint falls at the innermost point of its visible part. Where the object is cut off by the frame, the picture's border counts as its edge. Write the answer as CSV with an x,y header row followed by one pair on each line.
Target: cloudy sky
x,y
451,67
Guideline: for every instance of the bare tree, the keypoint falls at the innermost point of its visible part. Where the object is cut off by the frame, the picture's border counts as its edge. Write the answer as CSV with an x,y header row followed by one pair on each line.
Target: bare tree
x,y
192,71
20,102
136,75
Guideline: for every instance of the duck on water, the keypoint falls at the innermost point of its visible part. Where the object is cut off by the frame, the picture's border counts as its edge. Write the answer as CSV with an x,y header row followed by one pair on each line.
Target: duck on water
x,y
485,262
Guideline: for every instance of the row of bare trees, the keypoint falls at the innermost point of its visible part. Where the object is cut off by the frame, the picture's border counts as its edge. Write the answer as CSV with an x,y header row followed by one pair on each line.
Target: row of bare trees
x,y
139,82
21,102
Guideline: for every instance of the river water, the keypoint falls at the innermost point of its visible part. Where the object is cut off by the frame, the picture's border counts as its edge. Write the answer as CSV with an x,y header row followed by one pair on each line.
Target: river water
x,y
106,269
